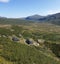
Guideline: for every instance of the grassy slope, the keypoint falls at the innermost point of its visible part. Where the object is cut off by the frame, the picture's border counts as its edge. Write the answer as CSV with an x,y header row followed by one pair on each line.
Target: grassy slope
x,y
16,53
20,53
14,21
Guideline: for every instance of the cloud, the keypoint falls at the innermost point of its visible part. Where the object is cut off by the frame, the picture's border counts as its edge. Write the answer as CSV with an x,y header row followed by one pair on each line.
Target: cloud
x,y
4,1
49,12
53,11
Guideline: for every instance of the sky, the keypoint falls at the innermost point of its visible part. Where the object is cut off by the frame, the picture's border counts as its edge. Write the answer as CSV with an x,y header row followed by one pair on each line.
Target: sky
x,y
23,8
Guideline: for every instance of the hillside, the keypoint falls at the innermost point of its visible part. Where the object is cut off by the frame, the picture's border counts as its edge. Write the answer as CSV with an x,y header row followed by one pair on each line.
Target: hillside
x,y
34,17
29,31
34,42
54,18
13,21
16,49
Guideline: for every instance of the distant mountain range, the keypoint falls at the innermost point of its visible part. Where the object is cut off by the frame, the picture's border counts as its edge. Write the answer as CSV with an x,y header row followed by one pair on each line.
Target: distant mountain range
x,y
34,17
54,19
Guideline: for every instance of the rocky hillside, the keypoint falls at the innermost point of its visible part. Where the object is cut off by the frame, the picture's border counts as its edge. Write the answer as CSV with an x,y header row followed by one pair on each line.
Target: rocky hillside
x,y
20,44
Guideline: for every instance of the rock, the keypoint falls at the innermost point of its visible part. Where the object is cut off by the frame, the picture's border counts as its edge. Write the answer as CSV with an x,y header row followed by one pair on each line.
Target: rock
x,y
32,42
15,39
20,35
29,41
36,44
40,41
4,35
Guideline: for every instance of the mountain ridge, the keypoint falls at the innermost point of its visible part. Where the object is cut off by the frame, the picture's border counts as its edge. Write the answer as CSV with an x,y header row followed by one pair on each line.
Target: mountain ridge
x,y
34,17
53,18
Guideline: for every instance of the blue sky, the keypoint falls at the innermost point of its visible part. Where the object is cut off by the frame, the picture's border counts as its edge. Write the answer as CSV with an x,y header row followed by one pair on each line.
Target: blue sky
x,y
23,8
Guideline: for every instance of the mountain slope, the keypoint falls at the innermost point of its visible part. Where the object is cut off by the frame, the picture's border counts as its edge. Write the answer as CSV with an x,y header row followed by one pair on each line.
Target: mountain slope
x,y
34,17
22,54
54,19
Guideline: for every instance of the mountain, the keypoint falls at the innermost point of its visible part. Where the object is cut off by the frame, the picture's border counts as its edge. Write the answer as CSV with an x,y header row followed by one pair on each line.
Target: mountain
x,y
34,17
51,17
54,19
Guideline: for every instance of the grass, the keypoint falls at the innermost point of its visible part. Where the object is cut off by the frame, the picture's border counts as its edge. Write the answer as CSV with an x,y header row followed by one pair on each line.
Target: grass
x,y
21,53
16,53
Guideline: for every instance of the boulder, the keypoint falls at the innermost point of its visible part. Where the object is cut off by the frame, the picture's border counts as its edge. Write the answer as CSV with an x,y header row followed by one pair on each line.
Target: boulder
x,y
15,39
28,41
40,41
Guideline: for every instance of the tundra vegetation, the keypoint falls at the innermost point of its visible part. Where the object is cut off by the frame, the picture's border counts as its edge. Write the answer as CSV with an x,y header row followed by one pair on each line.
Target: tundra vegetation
x,y
15,50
